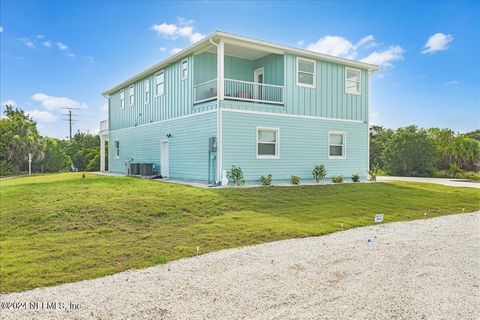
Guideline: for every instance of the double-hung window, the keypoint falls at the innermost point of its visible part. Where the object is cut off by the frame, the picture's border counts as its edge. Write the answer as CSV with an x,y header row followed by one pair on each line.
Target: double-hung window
x,y
306,73
184,69
117,149
131,95
268,143
122,99
147,92
352,81
336,145
159,84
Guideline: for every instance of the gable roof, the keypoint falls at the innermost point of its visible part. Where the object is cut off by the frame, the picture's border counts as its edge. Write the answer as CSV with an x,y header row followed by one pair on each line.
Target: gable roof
x,y
233,38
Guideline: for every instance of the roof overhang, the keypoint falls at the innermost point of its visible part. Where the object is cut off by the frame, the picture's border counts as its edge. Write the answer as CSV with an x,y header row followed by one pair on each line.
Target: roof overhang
x,y
245,42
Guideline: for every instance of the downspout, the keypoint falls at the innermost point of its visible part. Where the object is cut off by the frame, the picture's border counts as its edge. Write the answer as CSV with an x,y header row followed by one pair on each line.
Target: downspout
x,y
219,125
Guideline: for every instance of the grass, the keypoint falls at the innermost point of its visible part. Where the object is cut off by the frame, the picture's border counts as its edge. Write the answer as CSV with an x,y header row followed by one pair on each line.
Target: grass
x,y
62,228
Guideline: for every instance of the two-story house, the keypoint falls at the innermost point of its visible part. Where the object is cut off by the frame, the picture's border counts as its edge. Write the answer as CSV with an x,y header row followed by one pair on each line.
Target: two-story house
x,y
231,100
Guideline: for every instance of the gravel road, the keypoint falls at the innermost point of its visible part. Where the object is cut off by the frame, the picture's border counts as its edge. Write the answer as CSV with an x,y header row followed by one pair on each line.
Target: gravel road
x,y
425,269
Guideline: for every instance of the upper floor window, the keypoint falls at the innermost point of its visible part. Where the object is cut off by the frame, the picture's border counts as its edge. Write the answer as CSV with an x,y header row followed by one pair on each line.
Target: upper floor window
x,y
268,143
184,69
336,145
306,73
147,91
352,81
159,84
122,99
131,95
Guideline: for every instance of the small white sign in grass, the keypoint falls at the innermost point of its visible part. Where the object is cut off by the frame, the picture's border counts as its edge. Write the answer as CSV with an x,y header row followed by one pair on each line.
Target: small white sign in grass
x,y
379,217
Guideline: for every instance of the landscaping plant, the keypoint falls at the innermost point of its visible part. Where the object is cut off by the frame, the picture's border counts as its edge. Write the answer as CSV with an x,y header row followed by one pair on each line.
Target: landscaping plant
x,y
374,172
295,180
266,181
337,179
236,175
355,177
319,172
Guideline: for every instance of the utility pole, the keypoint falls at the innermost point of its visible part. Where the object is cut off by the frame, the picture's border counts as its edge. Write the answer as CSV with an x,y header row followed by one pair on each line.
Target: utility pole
x,y
70,119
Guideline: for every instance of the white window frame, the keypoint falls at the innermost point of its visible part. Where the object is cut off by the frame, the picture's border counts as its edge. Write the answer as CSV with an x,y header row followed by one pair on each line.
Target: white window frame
x,y
182,69
344,146
146,96
277,143
162,83
131,95
122,99
359,81
117,149
306,85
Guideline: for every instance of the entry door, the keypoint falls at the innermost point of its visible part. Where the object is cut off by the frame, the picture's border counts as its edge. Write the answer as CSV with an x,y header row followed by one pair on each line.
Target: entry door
x,y
258,78
164,165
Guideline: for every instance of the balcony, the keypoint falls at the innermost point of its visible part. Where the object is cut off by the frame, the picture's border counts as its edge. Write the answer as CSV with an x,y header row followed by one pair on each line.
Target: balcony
x,y
103,127
241,91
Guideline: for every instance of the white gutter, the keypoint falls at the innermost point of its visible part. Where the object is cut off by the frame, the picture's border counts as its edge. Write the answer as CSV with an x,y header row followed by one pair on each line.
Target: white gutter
x,y
219,122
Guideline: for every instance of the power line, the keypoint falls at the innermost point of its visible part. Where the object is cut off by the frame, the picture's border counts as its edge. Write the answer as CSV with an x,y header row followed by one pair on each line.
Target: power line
x,y
69,119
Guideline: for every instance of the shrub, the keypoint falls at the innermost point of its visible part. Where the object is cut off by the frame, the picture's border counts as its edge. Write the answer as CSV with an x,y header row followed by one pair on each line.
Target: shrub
x,y
374,172
295,180
266,181
337,179
355,177
453,169
319,172
236,175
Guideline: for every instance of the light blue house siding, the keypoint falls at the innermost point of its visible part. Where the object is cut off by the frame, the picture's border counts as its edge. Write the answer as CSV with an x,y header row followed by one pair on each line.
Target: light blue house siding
x,y
188,146
303,144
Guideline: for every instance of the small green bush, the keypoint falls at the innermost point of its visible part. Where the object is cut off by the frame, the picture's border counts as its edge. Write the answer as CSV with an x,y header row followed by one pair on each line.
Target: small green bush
x,y
454,170
355,177
374,172
266,181
236,175
295,180
319,172
337,179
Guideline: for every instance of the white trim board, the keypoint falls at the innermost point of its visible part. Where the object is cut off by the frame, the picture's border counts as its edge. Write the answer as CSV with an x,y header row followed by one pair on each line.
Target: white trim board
x,y
167,120
290,115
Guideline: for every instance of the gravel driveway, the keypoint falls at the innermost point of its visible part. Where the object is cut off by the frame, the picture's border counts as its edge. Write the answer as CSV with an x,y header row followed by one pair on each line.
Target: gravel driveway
x,y
426,269
443,181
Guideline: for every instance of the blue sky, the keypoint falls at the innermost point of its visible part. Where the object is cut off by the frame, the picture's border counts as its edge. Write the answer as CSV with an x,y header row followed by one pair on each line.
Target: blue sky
x,y
67,53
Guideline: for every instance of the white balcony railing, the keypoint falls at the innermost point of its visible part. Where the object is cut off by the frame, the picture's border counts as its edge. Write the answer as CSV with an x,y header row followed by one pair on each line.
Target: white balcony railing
x,y
104,125
205,91
240,90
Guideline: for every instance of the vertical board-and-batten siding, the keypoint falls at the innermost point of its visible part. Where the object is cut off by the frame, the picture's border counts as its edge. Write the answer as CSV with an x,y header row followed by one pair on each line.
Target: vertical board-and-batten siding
x,y
303,143
188,145
175,102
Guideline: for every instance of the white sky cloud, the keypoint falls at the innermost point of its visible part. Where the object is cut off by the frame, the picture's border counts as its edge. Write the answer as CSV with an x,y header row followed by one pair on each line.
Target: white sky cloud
x,y
452,83
62,46
340,46
163,49
29,43
386,57
300,43
51,103
39,115
40,36
184,29
437,42
9,102
1,29
47,44
175,50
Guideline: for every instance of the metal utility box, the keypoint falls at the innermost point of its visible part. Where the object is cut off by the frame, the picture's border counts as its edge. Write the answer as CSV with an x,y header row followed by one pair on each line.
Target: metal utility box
x,y
146,169
135,169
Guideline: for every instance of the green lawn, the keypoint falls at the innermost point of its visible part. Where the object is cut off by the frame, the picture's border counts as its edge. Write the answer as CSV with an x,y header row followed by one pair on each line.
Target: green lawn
x,y
62,228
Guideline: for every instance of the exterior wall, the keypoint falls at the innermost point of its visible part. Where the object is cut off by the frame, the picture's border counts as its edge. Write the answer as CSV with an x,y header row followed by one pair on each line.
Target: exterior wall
x,y
176,102
238,68
188,145
303,144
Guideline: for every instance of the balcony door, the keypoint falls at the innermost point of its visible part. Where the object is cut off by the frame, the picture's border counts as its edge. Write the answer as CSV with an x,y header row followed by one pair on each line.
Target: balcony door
x,y
257,87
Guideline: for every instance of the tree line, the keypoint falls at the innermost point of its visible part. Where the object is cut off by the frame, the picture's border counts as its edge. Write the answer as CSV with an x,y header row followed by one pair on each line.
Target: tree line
x,y
408,151
413,151
19,137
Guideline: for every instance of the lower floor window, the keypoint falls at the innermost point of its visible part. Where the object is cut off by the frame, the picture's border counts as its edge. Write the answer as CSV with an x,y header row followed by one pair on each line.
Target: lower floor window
x,y
117,149
336,145
267,143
